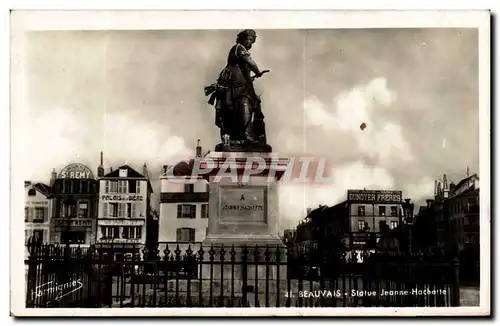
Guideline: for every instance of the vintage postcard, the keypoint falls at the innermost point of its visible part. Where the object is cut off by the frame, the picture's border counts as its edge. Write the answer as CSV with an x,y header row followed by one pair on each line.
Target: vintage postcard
x,y
228,163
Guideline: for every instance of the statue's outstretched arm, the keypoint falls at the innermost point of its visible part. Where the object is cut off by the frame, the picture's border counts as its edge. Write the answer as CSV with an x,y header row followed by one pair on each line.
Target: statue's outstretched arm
x,y
253,66
244,55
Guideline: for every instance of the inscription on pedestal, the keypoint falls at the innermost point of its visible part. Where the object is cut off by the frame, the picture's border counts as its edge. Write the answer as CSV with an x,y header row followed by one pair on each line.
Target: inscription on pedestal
x,y
240,204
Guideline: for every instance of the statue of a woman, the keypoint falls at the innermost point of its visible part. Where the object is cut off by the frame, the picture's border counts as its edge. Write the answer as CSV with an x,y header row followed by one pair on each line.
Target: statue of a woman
x,y
238,107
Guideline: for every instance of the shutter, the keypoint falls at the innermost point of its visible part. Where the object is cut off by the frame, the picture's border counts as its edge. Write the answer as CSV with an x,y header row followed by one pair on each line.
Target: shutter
x,y
179,210
132,210
31,212
191,235
121,212
45,214
105,210
138,187
179,232
45,236
106,186
193,211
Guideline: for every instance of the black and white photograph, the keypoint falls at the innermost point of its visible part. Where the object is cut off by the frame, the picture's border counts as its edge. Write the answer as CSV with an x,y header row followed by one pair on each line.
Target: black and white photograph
x,y
258,163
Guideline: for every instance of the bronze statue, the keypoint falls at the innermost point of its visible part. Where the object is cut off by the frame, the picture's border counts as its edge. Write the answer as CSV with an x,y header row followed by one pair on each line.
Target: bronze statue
x,y
237,106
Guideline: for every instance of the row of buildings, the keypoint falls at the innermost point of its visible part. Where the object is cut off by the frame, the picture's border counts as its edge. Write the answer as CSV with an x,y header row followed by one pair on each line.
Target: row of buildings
x,y
79,209
371,219
115,209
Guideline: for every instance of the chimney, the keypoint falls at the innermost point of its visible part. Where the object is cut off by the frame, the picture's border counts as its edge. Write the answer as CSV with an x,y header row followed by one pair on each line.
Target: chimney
x,y
145,170
100,169
446,190
309,210
429,202
53,177
467,172
198,149
110,169
27,183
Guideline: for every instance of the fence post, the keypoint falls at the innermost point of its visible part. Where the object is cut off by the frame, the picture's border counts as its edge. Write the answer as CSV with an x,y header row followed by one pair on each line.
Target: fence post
x,y
32,269
455,286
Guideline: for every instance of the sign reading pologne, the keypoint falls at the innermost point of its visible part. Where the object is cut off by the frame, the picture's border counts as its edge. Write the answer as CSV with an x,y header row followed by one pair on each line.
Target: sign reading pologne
x,y
122,197
379,196
239,204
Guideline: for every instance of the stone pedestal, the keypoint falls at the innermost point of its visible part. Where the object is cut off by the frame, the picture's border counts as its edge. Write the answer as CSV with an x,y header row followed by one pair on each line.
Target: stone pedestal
x,y
243,218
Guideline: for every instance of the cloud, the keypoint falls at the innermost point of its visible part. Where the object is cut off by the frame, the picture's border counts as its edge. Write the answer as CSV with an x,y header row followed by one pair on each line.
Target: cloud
x,y
424,188
61,136
382,140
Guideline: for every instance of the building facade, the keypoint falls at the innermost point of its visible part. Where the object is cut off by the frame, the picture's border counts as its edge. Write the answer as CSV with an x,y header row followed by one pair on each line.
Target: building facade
x,y
464,213
356,222
184,207
124,209
37,212
74,210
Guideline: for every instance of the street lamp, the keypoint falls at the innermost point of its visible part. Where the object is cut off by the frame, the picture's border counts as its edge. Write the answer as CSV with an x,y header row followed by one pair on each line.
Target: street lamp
x,y
408,209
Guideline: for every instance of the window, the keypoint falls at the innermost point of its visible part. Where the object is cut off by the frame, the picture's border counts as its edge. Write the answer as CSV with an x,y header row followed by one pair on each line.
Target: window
x,y
382,225
121,209
381,210
113,186
38,235
110,232
68,209
73,237
361,225
113,209
204,210
186,211
132,186
66,186
39,214
83,210
393,225
106,186
26,214
123,173
185,234
361,210
122,186
394,211
138,232
189,187
131,210
32,192
138,187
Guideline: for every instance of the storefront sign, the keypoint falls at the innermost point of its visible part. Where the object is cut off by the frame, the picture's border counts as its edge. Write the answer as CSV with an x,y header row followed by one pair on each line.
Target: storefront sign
x,y
62,222
37,203
120,222
379,196
122,197
125,241
76,171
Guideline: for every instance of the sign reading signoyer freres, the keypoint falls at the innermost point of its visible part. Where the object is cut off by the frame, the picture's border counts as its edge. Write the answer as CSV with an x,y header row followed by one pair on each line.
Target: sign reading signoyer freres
x,y
379,196
242,204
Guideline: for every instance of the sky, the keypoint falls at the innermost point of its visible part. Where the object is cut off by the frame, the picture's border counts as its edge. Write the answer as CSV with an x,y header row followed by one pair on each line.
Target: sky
x,y
138,97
